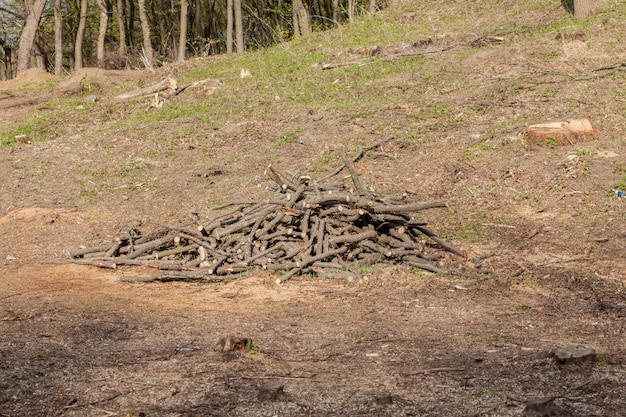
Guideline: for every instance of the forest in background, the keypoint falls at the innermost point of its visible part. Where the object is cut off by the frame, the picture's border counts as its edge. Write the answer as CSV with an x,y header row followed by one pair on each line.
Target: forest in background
x,y
65,35
116,34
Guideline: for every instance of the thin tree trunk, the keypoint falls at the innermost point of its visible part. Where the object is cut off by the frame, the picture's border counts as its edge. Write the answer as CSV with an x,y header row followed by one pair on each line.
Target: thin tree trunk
x,y
583,8
351,10
229,26
58,38
336,12
80,34
303,17
238,26
182,42
121,27
102,31
296,25
8,74
27,38
145,29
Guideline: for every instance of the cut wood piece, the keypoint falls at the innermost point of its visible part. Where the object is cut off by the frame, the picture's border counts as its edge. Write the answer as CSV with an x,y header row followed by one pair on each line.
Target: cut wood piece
x,y
566,132
167,84
574,354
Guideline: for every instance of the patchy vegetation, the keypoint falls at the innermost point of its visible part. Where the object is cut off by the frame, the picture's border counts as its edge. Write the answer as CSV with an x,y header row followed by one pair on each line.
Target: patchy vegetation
x,y
456,84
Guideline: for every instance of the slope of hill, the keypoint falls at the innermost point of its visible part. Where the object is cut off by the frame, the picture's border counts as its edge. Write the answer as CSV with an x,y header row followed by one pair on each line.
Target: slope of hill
x,y
455,84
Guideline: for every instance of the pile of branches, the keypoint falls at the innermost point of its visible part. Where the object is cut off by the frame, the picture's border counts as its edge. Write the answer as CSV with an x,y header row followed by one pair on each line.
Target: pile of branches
x,y
329,230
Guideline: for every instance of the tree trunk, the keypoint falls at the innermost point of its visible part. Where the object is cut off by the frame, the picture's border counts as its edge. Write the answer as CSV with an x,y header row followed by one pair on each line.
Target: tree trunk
x,y
238,26
336,12
80,34
182,42
102,31
583,8
229,26
27,38
121,27
145,29
302,17
7,67
351,10
296,26
58,38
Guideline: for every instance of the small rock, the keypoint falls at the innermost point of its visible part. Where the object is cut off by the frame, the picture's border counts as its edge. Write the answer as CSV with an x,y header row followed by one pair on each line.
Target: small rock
x,y
540,407
383,398
270,391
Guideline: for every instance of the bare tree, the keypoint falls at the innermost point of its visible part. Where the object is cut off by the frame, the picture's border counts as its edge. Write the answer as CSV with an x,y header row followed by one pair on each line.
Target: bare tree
x,y
58,38
80,35
182,42
301,18
34,10
145,29
238,26
102,30
121,27
583,8
229,26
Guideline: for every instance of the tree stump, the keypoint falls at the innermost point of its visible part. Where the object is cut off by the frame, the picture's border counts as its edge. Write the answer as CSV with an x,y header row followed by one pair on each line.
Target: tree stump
x,y
561,133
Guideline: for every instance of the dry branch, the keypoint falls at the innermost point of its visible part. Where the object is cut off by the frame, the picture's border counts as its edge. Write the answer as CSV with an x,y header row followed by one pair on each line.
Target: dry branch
x,y
167,84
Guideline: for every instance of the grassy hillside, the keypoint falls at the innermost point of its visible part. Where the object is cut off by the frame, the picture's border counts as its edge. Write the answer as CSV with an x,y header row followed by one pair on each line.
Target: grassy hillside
x,y
454,84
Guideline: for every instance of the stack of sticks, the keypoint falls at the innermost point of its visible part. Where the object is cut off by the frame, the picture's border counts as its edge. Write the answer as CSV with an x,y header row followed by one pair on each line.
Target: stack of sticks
x,y
331,230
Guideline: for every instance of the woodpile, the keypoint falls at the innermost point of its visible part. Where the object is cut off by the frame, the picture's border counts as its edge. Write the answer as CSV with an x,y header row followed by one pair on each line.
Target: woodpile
x,y
330,229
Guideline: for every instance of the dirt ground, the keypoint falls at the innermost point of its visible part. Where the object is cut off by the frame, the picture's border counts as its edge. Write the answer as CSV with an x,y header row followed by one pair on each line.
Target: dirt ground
x,y
76,341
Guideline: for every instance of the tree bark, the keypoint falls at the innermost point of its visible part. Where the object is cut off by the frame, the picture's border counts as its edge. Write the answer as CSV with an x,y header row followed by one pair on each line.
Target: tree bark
x,y
302,18
351,10
336,12
145,29
121,28
102,31
182,42
583,8
229,26
27,38
238,26
80,34
58,38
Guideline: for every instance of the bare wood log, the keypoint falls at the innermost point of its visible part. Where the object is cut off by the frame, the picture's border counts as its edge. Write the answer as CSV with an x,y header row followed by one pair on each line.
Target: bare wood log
x,y
261,234
375,247
328,199
207,245
274,176
114,249
369,234
168,83
259,255
81,251
408,208
293,199
319,245
354,175
137,250
93,262
164,253
440,241
309,261
370,258
304,224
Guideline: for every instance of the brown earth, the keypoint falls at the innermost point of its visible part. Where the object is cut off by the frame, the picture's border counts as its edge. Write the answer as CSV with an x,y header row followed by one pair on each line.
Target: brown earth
x,y
75,341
